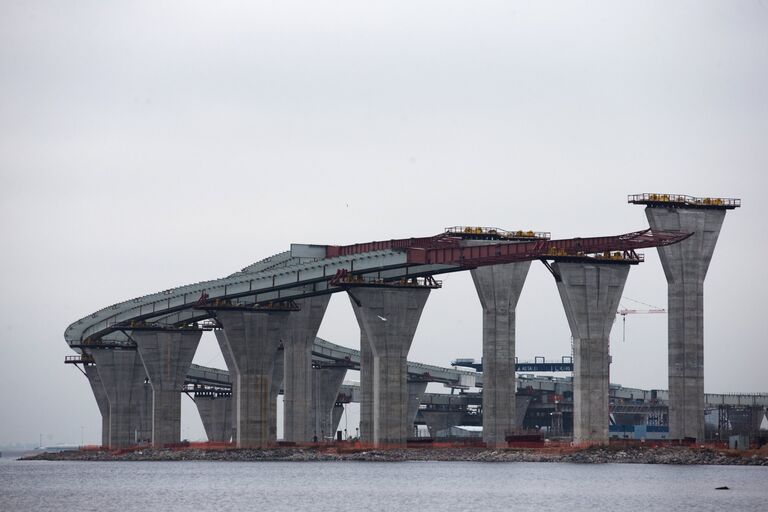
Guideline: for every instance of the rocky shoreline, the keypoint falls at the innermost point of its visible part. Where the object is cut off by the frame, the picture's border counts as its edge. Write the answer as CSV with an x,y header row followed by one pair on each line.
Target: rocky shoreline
x,y
591,455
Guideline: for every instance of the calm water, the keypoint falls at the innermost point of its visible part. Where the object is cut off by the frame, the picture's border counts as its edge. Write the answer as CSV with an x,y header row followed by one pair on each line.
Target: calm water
x,y
411,486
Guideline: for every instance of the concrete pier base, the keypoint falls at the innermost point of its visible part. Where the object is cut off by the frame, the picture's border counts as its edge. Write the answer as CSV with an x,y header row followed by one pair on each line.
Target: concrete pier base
x,y
101,400
325,392
274,391
221,339
499,287
590,293
216,414
297,397
389,317
416,390
685,267
123,377
167,356
366,385
252,339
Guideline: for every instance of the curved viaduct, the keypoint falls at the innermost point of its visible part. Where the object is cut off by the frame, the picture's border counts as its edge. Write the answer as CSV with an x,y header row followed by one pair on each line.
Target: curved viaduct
x,y
280,301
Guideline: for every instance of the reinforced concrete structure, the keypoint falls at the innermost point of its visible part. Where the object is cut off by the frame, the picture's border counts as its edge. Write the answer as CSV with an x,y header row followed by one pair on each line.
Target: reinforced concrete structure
x,y
167,356
389,317
499,287
685,267
590,293
298,387
252,338
280,301
125,384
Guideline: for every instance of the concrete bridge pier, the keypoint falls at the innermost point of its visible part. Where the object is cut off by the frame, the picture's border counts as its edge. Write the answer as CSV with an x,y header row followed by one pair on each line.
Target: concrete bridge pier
x,y
389,316
297,390
252,339
590,293
685,267
216,414
416,390
125,384
221,339
274,391
438,420
167,356
366,384
325,392
499,287
101,400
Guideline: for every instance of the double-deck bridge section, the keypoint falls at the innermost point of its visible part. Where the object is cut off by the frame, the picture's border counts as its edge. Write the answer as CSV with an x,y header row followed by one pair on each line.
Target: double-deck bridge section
x,y
278,303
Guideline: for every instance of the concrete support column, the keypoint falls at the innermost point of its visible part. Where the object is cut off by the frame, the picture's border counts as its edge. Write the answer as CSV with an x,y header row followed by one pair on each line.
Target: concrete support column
x,y
499,287
685,267
366,385
590,293
416,390
437,420
123,377
101,400
221,338
389,317
252,338
297,391
167,356
274,391
216,414
325,392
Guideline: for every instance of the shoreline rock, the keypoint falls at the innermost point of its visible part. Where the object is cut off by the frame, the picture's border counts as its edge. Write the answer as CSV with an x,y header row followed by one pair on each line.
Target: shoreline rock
x,y
591,455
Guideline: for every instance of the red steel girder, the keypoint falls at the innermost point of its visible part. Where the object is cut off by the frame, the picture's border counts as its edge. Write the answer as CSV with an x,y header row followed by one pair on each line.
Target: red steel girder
x,y
492,254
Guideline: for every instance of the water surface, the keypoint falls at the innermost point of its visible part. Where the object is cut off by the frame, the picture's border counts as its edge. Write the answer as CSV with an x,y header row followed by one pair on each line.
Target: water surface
x,y
363,486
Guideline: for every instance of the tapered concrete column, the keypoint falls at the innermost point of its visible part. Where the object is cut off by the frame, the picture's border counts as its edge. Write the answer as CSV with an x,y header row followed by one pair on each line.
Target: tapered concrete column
x,y
123,378
221,338
101,400
297,389
499,287
325,392
590,293
416,390
274,391
440,420
366,384
216,414
252,338
390,317
336,414
685,267
167,356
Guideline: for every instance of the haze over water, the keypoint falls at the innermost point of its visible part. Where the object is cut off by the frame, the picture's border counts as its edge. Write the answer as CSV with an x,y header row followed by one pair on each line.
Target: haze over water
x,y
338,486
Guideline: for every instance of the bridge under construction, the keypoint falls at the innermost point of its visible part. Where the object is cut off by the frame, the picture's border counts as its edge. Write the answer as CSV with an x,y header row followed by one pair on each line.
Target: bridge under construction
x,y
138,354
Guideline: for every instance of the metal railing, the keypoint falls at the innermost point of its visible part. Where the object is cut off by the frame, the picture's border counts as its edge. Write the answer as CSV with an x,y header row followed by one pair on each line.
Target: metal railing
x,y
723,202
501,233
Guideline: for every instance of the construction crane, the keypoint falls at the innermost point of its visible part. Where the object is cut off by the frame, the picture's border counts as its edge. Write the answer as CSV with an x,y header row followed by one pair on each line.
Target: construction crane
x,y
623,312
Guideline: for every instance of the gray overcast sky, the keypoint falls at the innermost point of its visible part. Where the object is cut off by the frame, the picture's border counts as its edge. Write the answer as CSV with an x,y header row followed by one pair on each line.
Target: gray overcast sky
x,y
145,145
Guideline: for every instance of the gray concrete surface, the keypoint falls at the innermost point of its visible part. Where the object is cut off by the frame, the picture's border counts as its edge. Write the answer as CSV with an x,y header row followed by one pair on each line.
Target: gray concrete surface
x,y
325,392
221,339
590,293
366,384
216,414
274,391
123,377
390,317
101,400
685,267
499,288
297,388
167,356
252,338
